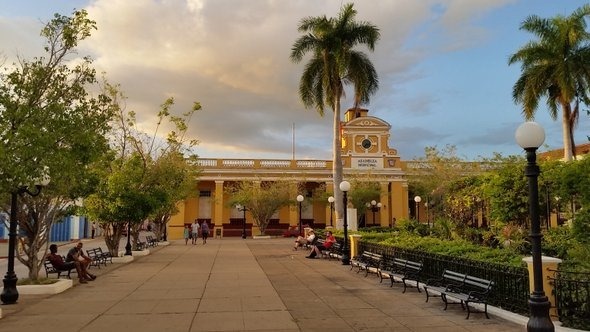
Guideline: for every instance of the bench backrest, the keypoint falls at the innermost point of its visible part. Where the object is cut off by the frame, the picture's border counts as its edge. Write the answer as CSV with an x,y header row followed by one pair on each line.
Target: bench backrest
x,y
478,283
371,256
49,267
453,276
407,264
92,253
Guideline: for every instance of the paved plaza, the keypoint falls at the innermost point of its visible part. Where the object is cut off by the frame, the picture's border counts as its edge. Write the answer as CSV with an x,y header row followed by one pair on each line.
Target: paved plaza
x,y
232,284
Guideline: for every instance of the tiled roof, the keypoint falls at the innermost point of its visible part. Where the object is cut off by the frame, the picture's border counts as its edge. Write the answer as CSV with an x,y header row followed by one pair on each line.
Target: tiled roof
x,y
581,150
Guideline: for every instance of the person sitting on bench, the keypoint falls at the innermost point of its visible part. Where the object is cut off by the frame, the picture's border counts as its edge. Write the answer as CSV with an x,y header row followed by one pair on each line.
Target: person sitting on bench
x,y
76,254
59,264
301,241
317,249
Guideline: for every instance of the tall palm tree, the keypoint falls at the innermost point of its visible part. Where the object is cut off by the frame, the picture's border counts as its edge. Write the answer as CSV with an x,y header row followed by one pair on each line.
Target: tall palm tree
x,y
334,64
555,66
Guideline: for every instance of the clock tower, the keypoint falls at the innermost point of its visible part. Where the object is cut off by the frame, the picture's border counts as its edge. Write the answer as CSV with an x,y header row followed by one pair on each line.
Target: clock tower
x,y
365,149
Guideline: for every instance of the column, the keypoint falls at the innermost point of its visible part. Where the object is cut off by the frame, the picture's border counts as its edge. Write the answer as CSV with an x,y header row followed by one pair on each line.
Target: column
x,y
384,219
218,212
549,265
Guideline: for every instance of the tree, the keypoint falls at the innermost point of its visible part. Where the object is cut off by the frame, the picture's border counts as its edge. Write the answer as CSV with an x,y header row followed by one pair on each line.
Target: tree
x,y
556,66
176,177
335,63
145,175
263,199
50,125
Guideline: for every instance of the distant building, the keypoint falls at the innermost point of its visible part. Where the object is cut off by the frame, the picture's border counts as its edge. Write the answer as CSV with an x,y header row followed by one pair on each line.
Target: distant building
x,y
365,149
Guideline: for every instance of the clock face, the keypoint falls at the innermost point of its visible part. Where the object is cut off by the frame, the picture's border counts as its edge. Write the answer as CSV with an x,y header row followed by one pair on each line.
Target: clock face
x,y
366,143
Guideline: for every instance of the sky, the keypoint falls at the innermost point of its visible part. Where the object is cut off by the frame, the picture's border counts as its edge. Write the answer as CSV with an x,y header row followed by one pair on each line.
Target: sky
x,y
442,65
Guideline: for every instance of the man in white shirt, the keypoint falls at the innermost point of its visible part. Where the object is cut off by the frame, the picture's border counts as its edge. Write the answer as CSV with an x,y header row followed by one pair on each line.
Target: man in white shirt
x,y
195,231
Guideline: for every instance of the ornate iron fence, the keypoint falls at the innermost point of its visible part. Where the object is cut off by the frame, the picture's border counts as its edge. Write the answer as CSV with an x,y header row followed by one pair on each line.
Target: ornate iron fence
x,y
511,285
572,293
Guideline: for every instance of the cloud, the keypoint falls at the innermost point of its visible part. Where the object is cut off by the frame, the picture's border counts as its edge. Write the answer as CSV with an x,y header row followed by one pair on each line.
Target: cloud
x,y
233,57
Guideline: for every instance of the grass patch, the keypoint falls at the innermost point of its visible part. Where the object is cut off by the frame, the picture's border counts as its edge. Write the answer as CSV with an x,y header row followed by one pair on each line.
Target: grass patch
x,y
40,281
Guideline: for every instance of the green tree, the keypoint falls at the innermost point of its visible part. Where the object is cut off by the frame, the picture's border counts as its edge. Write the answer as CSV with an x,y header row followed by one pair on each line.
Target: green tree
x,y
333,64
555,66
263,199
176,176
50,124
143,167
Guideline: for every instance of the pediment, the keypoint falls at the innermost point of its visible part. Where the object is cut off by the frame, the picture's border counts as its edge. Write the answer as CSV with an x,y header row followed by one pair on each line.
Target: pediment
x,y
368,122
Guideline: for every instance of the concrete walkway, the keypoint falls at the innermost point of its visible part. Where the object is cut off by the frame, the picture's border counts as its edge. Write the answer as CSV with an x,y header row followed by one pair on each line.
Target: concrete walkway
x,y
237,285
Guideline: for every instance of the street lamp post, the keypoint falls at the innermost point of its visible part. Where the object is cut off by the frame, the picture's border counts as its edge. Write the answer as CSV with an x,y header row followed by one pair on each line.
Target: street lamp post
x,y
345,187
374,207
530,135
128,245
10,293
243,209
427,215
331,200
300,200
418,199
557,198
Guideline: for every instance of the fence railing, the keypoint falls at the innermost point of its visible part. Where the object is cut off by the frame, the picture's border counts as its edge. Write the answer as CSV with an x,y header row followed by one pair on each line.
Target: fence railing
x,y
511,284
572,293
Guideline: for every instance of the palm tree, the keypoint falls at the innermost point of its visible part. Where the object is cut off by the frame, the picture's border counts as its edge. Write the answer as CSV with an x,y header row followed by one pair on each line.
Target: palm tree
x,y
334,63
556,66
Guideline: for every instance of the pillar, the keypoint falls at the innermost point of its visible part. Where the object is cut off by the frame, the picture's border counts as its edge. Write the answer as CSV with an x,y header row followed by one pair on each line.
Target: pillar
x,y
355,239
219,202
384,219
549,265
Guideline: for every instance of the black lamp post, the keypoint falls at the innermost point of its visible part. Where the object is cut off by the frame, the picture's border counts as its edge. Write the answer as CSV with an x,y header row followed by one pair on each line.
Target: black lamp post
x,y
374,207
10,293
345,187
331,200
417,199
530,135
427,207
243,209
128,245
557,198
300,200
165,236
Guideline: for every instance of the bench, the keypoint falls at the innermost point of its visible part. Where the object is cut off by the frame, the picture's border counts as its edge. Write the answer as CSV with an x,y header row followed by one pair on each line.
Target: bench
x,y
402,269
335,251
151,241
96,256
366,261
106,256
325,253
50,269
465,288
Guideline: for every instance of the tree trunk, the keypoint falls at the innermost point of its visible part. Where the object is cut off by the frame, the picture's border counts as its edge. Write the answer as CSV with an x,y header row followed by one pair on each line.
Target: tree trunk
x,y
337,163
566,132
112,236
135,233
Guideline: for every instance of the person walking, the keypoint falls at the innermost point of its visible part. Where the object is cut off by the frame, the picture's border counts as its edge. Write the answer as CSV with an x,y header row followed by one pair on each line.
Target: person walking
x,y
93,228
195,231
187,232
205,231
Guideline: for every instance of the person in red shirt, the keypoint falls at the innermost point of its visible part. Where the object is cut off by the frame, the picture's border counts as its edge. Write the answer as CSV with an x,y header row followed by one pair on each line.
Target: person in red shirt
x,y
317,249
59,264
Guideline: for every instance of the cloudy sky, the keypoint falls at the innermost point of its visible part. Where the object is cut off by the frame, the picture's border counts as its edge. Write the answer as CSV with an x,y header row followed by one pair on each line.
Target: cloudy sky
x,y
442,65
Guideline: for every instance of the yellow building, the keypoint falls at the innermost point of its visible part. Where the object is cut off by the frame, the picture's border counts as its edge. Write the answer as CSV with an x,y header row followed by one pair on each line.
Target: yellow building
x,y
364,150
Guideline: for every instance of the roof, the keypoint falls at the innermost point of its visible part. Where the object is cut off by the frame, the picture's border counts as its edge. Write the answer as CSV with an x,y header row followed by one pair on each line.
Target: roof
x,y
557,154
